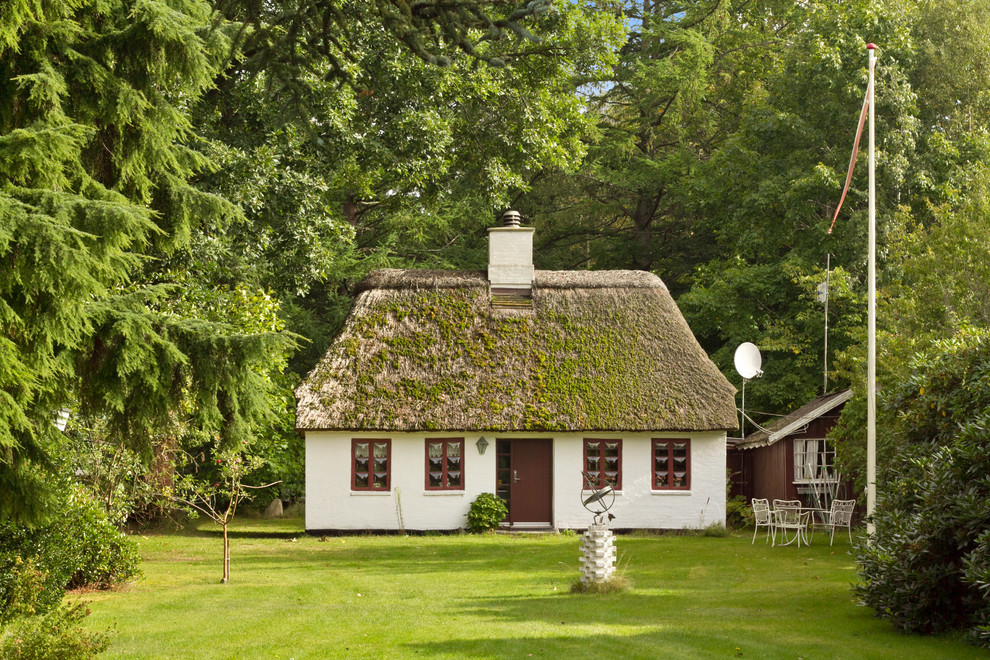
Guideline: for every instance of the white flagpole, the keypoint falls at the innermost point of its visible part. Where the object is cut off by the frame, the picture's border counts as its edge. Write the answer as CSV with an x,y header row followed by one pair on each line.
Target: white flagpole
x,y
871,389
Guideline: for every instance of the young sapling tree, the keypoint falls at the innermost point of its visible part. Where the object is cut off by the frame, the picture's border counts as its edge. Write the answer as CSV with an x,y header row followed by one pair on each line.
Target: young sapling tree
x,y
215,487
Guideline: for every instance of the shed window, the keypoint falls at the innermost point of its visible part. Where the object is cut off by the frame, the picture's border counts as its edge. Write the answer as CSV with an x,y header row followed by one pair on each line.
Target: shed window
x,y
814,461
671,464
445,463
603,461
371,462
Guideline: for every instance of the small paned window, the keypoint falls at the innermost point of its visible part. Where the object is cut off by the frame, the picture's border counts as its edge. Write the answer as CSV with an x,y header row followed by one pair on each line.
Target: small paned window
x,y
814,461
445,463
603,461
371,464
671,464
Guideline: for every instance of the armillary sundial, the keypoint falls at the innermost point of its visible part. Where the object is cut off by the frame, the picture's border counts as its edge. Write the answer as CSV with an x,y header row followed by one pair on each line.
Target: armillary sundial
x,y
601,499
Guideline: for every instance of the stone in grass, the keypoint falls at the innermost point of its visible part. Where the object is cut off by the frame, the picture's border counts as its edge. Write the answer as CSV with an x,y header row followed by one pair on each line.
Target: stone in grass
x,y
274,509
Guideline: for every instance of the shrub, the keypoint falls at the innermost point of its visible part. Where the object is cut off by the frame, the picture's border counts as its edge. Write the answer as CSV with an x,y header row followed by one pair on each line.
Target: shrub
x,y
55,633
24,584
78,547
486,513
738,513
927,567
126,487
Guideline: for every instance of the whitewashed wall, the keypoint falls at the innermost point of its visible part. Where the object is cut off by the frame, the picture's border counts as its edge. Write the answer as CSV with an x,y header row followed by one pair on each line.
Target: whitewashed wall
x,y
636,505
332,505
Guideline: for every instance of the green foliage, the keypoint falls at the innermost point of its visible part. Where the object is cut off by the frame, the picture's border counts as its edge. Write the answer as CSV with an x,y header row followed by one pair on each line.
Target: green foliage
x,y
33,627
940,291
282,458
289,36
738,513
128,488
403,166
669,102
926,567
787,323
713,170
55,635
22,584
79,547
486,513
96,158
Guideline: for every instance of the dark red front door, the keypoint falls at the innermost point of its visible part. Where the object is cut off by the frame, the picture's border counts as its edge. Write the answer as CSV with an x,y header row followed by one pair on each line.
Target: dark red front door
x,y
525,480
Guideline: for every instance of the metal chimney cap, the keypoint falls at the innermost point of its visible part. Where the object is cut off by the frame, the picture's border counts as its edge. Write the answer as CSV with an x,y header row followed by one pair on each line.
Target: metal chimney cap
x,y
511,219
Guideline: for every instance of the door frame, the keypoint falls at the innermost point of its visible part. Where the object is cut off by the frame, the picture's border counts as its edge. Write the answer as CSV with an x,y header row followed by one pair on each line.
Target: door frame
x,y
505,478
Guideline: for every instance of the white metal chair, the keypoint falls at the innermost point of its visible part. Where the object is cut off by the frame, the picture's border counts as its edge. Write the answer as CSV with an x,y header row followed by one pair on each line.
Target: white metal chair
x,y
789,518
840,515
762,517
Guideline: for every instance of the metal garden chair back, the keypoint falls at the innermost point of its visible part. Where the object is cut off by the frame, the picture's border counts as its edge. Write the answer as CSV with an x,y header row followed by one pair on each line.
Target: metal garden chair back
x,y
762,517
789,519
840,516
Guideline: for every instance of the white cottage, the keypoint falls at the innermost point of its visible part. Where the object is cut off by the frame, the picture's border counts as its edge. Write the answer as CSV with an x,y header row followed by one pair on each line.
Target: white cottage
x,y
444,385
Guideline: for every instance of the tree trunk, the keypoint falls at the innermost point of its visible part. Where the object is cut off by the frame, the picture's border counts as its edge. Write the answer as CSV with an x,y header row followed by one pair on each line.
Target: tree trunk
x,y
226,556
646,208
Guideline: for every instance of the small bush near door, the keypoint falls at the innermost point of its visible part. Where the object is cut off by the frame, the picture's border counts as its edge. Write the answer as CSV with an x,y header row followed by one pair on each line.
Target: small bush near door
x,y
486,513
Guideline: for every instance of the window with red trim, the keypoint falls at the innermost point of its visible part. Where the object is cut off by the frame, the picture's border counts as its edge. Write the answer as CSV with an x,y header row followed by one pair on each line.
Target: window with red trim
x,y
371,462
445,463
671,464
603,460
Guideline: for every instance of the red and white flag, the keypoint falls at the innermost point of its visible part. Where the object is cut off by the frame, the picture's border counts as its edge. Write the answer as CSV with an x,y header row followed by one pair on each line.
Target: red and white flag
x,y
852,160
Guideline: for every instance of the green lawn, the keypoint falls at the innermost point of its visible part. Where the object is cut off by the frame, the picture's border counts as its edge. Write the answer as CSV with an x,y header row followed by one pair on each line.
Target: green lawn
x,y
295,596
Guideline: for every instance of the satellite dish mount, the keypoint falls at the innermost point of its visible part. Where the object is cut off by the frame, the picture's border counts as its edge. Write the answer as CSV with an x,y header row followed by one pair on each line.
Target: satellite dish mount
x,y
748,362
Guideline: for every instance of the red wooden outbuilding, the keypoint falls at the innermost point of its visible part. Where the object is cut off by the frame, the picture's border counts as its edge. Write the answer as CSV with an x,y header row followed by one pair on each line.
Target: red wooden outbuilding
x,y
790,459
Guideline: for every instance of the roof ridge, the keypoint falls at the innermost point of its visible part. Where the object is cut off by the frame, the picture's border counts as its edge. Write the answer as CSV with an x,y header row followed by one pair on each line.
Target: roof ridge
x,y
416,278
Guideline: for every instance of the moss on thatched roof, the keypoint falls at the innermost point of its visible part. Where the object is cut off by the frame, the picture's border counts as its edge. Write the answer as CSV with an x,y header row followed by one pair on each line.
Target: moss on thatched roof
x,y
604,351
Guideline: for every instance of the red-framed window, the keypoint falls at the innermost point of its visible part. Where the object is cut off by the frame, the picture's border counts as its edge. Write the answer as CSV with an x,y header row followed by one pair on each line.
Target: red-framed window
x,y
371,464
445,464
671,464
603,460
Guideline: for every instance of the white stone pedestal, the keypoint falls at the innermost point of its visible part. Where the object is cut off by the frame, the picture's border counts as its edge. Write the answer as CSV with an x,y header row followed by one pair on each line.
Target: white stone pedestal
x,y
597,555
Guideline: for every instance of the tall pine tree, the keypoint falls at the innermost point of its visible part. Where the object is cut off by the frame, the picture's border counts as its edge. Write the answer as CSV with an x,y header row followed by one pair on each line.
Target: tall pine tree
x,y
96,158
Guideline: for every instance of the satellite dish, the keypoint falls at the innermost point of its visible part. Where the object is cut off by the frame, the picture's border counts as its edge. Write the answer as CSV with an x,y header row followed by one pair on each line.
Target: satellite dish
x,y
748,360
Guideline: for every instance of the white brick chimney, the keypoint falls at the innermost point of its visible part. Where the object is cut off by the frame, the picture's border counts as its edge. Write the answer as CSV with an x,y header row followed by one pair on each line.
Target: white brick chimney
x,y
510,256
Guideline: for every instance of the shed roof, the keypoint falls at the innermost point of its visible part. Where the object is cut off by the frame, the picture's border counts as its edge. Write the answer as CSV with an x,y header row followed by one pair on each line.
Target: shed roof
x,y
795,420
599,350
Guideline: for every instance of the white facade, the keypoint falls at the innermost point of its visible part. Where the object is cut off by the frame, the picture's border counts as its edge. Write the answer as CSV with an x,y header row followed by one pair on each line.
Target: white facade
x,y
331,504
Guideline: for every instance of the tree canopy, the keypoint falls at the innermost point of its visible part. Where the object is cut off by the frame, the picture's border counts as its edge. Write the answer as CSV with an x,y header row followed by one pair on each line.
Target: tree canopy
x,y
189,189
181,180
98,156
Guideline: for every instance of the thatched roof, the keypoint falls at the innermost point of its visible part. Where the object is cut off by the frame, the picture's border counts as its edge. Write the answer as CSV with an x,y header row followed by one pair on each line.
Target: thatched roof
x,y
426,350
794,421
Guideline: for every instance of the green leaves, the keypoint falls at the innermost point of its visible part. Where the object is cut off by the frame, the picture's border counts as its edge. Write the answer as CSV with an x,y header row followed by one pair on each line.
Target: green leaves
x,y
925,568
95,183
